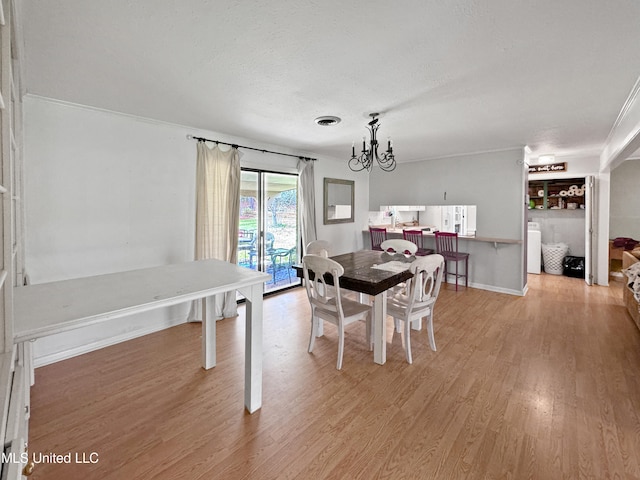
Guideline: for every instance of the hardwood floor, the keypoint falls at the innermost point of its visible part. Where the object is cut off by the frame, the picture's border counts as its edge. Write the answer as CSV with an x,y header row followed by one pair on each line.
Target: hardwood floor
x,y
543,387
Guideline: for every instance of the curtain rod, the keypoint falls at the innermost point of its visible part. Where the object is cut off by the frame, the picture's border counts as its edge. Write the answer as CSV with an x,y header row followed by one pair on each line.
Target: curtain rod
x,y
235,145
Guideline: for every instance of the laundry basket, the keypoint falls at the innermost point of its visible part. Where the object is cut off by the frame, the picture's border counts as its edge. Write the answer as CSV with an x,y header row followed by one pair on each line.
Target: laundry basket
x,y
552,256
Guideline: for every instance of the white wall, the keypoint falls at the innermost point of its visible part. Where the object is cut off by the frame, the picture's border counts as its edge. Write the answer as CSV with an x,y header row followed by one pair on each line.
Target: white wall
x,y
562,226
104,192
107,192
624,220
491,181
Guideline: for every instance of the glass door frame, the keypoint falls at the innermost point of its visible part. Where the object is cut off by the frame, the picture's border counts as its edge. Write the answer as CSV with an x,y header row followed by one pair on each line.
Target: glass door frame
x,y
261,222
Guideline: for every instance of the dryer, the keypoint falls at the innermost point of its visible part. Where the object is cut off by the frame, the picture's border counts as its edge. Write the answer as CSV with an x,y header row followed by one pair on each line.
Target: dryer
x,y
534,248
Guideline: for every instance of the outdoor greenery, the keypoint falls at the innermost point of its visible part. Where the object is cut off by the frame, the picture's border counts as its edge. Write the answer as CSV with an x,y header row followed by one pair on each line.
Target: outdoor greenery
x,y
249,224
279,206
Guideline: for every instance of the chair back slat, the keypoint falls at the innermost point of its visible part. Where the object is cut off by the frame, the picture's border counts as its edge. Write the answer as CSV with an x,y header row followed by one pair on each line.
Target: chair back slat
x,y
414,236
378,235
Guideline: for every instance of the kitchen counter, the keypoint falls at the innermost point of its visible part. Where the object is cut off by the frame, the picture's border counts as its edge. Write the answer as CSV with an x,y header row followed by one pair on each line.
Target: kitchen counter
x,y
494,240
495,263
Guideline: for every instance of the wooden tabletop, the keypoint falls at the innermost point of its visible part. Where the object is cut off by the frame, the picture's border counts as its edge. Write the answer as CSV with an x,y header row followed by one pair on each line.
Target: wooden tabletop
x,y
360,276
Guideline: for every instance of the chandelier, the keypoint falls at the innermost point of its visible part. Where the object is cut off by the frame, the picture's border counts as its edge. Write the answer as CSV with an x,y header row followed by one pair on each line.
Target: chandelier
x,y
386,161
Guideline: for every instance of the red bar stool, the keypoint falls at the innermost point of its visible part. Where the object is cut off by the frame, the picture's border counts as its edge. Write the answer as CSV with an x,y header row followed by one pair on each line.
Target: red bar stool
x,y
378,235
447,246
415,236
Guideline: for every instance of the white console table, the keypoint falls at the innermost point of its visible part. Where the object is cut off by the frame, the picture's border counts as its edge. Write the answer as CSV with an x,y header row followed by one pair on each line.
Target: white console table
x,y
50,308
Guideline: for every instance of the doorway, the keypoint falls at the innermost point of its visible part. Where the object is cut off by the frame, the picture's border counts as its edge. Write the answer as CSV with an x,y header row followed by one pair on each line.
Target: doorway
x,y
269,235
561,209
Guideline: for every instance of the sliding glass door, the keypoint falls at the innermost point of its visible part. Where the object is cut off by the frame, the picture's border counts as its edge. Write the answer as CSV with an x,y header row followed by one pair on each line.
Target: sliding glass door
x,y
268,236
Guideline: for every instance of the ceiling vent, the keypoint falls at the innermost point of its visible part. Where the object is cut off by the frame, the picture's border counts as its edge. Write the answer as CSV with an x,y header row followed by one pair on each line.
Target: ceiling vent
x,y
327,120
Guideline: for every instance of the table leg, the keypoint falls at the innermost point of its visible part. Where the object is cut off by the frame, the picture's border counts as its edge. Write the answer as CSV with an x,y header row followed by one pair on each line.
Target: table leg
x,y
253,347
208,334
379,328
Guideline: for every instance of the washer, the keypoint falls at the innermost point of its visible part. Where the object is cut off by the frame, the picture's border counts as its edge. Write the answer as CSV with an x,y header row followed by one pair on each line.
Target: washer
x,y
534,248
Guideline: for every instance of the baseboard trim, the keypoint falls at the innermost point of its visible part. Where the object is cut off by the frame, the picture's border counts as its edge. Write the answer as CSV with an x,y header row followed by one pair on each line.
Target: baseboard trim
x,y
492,288
107,342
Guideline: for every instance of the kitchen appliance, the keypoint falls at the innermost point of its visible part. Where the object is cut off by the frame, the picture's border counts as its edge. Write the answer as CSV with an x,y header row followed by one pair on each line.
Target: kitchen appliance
x,y
534,248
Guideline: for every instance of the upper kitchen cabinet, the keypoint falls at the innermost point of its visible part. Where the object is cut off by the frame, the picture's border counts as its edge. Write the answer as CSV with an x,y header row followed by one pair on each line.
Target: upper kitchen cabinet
x,y
403,208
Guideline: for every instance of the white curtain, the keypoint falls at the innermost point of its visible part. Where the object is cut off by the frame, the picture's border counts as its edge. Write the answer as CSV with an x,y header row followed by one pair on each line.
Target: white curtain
x,y
307,202
217,218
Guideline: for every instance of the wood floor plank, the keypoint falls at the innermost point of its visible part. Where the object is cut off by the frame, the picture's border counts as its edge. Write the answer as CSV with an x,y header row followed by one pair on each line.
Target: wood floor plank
x,y
545,386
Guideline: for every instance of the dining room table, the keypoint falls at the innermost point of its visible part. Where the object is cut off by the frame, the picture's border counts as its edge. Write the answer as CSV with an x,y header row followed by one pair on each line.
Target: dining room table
x,y
45,309
373,273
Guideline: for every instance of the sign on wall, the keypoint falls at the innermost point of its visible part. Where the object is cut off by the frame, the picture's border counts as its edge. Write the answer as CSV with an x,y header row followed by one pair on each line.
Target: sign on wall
x,y
548,168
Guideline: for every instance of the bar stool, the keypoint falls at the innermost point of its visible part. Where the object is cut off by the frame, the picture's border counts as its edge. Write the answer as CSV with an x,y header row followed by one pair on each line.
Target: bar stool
x,y
416,237
378,235
447,246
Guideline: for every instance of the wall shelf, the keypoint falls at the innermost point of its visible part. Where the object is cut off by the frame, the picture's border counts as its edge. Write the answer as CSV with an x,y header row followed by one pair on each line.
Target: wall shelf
x,y
564,194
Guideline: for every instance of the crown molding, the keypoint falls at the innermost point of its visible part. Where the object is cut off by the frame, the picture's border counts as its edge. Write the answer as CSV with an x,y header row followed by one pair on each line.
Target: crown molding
x,y
624,138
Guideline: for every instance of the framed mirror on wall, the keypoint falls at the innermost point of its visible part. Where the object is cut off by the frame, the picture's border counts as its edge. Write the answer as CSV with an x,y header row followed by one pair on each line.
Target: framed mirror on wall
x,y
338,201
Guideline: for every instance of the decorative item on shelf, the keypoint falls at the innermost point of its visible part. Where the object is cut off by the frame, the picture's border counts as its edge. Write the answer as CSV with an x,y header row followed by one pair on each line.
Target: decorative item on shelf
x,y
364,161
575,191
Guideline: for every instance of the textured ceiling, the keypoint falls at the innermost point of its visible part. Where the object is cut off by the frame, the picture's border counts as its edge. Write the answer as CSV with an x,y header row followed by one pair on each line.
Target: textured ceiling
x,y
449,77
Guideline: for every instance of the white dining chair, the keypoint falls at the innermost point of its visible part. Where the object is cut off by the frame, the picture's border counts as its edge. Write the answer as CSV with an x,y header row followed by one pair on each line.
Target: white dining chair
x,y
329,304
322,248
399,245
316,247
419,299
